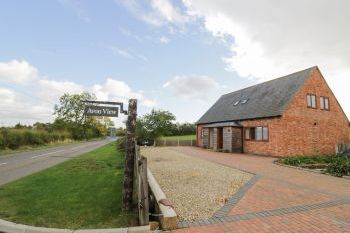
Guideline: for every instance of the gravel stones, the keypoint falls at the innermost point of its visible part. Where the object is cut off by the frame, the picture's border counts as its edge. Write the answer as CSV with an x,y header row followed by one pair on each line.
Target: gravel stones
x,y
196,187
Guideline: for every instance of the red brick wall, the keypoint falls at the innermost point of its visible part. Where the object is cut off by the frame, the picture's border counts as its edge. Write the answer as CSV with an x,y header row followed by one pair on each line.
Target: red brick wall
x,y
303,130
273,146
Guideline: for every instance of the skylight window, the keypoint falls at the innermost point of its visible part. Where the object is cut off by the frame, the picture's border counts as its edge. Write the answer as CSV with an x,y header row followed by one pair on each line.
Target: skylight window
x,y
236,103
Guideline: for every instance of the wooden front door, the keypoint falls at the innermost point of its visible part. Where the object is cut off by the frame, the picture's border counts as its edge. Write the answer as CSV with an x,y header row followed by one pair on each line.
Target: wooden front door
x,y
220,139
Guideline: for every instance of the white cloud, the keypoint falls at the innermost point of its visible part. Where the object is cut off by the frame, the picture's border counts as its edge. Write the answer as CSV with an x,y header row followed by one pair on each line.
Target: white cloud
x,y
128,54
76,7
51,90
272,39
119,91
7,96
35,101
164,40
197,87
121,52
155,12
19,72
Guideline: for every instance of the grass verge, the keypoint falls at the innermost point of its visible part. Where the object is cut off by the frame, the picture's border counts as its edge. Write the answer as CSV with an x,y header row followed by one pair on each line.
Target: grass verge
x,y
42,147
34,148
182,137
85,192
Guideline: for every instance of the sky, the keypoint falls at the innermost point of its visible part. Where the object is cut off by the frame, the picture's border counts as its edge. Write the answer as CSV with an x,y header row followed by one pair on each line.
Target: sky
x,y
172,55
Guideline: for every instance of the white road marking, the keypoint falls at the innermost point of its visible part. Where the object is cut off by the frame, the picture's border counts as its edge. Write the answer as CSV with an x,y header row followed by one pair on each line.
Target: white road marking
x,y
54,152
3,164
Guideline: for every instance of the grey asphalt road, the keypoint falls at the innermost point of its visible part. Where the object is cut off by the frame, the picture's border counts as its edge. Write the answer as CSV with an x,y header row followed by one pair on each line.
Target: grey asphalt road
x,y
22,164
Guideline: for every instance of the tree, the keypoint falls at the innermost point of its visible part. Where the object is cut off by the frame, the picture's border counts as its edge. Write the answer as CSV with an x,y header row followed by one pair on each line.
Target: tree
x,y
155,124
71,107
70,116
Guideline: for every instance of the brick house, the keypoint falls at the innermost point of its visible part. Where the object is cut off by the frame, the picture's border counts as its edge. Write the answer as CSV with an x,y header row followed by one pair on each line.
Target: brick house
x,y
293,115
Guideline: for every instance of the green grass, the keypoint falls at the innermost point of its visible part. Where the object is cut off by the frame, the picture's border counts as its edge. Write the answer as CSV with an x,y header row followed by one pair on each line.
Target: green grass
x,y
85,192
182,137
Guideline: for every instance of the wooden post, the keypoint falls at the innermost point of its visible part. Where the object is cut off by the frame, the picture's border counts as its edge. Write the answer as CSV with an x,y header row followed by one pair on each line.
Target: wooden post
x,y
136,177
129,155
143,192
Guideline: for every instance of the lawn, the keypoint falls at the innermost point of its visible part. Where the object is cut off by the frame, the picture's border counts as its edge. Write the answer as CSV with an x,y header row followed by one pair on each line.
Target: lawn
x,y
182,137
85,192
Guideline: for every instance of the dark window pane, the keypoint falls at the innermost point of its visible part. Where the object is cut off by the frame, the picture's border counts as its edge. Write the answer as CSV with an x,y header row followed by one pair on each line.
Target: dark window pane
x,y
252,133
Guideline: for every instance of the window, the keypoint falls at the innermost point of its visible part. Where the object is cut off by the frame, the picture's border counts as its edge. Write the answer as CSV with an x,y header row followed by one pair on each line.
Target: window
x,y
259,133
252,133
236,103
265,133
311,101
244,101
324,103
247,134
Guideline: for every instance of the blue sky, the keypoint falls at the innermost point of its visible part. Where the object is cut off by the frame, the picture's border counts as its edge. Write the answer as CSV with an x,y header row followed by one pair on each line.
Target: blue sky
x,y
158,51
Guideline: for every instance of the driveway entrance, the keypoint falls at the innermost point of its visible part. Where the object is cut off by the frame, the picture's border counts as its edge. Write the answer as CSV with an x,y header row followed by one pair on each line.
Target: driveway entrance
x,y
278,199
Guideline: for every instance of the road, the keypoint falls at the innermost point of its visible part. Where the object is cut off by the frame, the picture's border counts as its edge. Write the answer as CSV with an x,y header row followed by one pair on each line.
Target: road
x,y
22,164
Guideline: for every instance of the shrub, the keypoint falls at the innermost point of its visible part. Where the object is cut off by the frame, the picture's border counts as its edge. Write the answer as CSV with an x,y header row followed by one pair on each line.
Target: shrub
x,y
316,159
31,138
14,139
2,142
339,167
120,143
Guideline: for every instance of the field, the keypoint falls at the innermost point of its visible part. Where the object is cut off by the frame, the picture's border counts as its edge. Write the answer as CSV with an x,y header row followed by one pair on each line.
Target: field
x,y
85,192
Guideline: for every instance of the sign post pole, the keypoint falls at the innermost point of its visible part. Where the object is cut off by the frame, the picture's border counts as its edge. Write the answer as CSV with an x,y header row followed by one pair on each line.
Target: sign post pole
x,y
129,155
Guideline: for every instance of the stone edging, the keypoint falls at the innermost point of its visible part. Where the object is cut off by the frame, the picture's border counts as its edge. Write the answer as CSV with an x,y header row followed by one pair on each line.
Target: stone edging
x,y
10,227
307,169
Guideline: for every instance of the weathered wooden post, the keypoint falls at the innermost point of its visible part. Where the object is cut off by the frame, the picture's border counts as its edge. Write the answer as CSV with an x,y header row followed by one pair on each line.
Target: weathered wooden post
x,y
129,155
143,202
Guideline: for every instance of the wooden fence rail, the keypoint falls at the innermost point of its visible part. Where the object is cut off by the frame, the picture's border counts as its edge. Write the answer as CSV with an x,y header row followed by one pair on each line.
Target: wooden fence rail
x,y
175,142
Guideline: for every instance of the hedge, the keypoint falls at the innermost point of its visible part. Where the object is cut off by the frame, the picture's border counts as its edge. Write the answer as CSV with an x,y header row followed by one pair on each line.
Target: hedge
x,y
15,138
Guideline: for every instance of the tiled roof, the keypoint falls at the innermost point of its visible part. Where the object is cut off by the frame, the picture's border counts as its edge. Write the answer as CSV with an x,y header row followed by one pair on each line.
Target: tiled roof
x,y
266,99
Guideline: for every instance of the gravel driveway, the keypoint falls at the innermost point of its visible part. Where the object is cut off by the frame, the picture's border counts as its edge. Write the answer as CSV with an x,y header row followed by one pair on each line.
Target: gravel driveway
x,y
196,187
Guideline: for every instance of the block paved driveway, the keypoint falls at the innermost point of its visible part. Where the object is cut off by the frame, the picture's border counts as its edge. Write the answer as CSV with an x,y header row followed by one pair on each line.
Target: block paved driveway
x,y
279,199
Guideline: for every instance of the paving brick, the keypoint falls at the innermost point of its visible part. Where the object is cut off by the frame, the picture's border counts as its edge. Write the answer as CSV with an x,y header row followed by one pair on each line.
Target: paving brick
x,y
278,199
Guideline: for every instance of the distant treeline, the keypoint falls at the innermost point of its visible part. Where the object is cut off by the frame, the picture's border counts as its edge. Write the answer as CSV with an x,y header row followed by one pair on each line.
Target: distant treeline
x,y
69,124
44,133
181,129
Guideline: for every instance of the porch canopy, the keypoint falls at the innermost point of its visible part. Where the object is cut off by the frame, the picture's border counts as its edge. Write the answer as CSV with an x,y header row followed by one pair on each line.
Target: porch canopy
x,y
223,124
